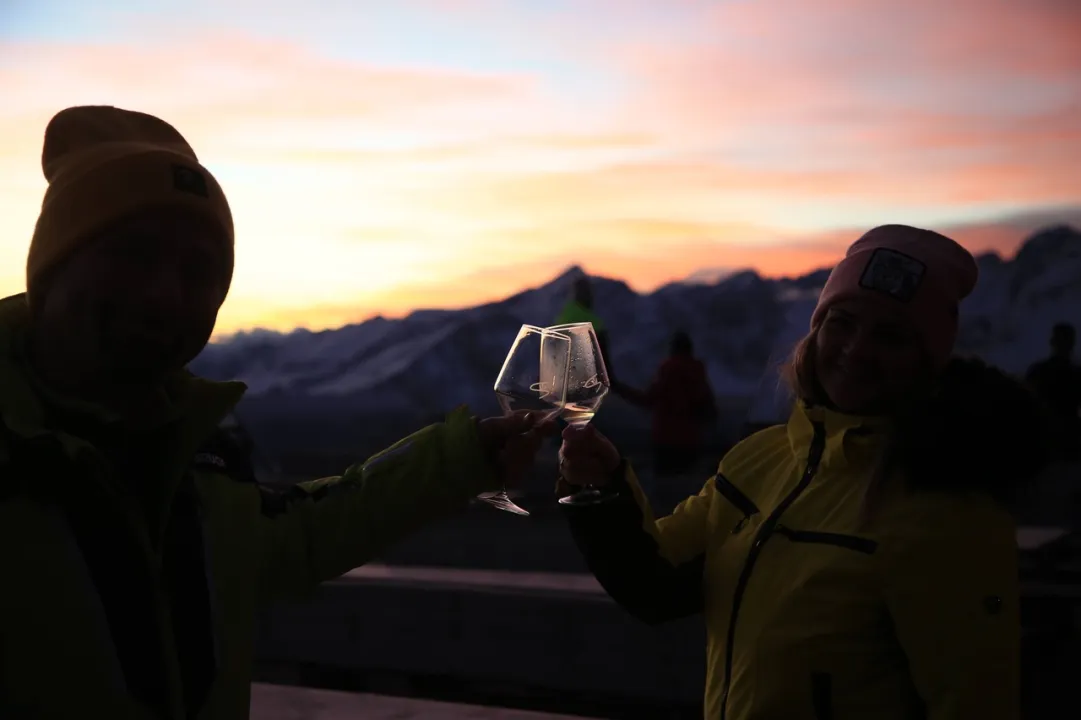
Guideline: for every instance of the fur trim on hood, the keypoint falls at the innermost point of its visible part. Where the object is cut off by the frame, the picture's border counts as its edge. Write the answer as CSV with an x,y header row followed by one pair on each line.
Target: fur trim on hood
x,y
981,430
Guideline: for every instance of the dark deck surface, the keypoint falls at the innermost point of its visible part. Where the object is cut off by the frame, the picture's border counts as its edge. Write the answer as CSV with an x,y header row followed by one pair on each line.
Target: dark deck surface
x,y
283,702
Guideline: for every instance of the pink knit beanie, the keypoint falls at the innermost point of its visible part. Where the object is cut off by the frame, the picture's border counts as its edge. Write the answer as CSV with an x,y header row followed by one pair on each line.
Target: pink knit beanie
x,y
922,272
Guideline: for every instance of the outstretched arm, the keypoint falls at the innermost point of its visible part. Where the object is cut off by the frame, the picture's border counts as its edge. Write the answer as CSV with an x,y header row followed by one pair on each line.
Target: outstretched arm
x,y
634,395
652,569
318,530
628,393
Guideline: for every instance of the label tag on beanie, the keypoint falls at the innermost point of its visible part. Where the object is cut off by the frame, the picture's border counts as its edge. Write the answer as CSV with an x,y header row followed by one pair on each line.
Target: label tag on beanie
x,y
190,180
893,273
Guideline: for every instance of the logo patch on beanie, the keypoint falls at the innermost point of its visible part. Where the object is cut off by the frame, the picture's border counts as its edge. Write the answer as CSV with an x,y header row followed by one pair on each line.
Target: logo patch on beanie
x,y
894,274
190,180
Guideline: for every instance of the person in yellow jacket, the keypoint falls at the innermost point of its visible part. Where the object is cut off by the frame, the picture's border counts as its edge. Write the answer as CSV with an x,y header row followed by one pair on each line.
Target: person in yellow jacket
x,y
135,549
857,563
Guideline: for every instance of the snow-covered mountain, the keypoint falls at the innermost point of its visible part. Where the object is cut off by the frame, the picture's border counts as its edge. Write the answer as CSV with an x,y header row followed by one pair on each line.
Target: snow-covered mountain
x,y
742,325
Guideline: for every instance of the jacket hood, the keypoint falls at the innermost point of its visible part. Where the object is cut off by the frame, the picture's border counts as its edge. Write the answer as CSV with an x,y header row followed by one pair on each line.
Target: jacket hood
x,y
981,430
22,401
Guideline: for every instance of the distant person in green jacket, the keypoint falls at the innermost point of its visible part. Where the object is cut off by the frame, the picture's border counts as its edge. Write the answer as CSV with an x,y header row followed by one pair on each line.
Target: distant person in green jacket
x,y
579,309
135,549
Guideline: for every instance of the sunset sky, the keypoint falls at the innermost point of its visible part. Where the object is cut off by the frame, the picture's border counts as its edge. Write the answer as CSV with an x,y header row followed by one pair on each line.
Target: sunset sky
x,y
385,155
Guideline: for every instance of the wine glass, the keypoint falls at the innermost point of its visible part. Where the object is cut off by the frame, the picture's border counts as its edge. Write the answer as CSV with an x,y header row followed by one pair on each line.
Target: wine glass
x,y
534,379
587,386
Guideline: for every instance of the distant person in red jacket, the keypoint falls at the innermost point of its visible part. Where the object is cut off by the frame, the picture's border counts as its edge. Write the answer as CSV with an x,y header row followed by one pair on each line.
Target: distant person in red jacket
x,y
682,404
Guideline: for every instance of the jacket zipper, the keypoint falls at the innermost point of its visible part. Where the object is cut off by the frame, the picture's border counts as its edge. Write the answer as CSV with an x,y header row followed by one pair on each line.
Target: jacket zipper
x,y
814,457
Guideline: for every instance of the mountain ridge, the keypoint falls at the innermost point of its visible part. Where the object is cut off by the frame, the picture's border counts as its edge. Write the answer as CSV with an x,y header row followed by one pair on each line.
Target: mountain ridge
x,y
743,325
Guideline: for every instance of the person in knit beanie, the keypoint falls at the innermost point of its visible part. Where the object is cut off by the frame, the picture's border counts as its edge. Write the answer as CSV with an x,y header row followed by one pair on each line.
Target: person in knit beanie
x,y
137,549
886,320
857,561
132,254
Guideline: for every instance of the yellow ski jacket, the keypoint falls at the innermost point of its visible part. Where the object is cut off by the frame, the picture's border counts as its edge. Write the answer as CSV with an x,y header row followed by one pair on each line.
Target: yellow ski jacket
x,y
814,610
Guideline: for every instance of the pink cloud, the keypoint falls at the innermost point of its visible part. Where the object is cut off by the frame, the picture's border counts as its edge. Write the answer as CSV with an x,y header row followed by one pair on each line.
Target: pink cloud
x,y
436,154
916,102
235,82
669,187
849,37
855,63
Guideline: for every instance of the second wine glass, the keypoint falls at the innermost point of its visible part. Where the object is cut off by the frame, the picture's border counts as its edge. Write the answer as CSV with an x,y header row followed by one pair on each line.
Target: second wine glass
x,y
587,386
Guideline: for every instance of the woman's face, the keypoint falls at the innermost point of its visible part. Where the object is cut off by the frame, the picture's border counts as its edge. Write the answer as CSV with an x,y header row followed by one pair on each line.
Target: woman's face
x,y
867,358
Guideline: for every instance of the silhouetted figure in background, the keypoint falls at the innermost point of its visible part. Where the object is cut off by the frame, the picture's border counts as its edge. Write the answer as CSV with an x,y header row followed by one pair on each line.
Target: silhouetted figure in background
x,y
1057,382
681,402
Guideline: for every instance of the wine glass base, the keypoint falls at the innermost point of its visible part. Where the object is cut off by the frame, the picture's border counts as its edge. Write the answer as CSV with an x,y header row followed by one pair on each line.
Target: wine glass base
x,y
504,503
589,496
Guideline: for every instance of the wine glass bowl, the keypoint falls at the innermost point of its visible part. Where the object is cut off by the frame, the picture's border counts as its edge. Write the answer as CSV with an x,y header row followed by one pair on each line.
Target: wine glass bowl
x,y
534,379
587,376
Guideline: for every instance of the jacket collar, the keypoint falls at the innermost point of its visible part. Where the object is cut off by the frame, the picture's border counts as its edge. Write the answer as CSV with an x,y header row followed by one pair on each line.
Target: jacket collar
x,y
849,439
197,406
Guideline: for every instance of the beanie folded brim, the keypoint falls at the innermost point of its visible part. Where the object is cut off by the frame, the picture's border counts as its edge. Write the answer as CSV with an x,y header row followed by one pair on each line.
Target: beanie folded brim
x,y
116,181
919,274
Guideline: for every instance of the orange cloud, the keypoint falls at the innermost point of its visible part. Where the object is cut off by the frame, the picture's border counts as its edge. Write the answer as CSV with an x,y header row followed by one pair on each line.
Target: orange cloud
x,y
264,115
658,252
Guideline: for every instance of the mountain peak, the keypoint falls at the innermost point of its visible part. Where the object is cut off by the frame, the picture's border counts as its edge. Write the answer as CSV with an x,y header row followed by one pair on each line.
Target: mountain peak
x,y
1051,240
708,276
570,274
